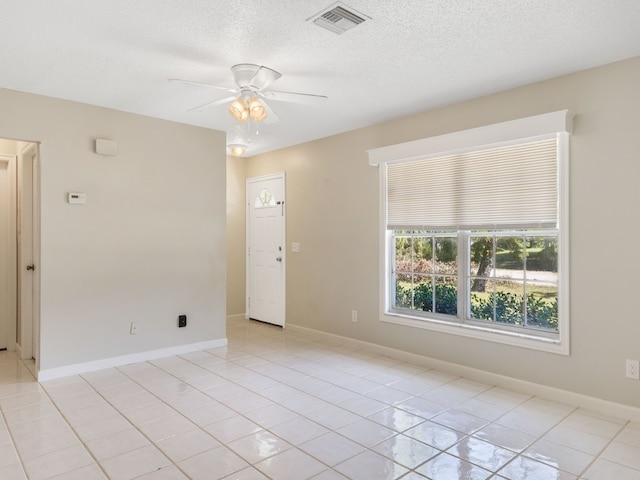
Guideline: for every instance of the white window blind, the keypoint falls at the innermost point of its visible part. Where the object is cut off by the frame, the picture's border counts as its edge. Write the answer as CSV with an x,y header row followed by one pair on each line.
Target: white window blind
x,y
513,186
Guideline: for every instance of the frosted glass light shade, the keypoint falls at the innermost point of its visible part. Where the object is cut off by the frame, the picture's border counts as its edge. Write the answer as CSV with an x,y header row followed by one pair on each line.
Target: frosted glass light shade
x,y
257,110
237,149
239,110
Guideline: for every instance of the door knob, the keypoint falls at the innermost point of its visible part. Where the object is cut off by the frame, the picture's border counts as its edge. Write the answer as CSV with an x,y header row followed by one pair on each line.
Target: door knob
x,y
31,267
278,259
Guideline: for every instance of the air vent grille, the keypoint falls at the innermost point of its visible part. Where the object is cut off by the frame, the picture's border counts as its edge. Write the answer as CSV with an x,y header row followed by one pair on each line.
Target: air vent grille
x,y
338,18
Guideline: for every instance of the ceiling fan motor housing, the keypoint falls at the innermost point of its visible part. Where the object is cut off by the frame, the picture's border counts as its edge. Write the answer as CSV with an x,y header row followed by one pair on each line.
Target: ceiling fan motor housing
x,y
255,77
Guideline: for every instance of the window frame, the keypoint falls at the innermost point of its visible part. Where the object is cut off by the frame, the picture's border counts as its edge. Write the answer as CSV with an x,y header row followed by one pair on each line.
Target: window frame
x,y
521,130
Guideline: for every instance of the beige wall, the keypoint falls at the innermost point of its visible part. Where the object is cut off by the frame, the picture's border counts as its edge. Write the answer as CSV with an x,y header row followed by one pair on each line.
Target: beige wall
x,y
236,213
148,245
332,198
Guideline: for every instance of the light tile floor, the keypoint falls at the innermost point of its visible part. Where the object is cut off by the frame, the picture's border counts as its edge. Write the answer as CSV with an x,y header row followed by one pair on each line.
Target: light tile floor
x,y
276,404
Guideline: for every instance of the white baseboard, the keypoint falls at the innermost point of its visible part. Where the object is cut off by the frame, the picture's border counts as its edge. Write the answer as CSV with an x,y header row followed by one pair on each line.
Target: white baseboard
x,y
237,316
78,368
543,391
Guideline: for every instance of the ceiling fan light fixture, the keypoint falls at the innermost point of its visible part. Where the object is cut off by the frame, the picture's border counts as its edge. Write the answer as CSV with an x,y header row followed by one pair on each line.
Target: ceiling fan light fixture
x,y
257,110
237,149
239,110
248,102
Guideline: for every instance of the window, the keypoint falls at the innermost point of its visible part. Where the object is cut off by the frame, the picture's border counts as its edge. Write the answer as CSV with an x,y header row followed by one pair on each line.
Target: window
x,y
265,199
475,237
513,278
425,273
503,277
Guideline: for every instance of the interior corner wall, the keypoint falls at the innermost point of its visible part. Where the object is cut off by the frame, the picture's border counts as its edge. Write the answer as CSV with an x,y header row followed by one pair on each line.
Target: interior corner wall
x,y
149,244
333,211
236,224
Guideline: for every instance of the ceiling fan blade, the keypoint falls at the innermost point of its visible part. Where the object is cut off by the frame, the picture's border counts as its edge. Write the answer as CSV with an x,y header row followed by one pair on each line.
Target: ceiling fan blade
x,y
211,104
306,98
264,77
200,84
271,115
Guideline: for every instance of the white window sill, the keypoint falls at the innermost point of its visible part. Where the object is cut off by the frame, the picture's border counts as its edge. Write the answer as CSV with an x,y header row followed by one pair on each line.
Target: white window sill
x,y
517,339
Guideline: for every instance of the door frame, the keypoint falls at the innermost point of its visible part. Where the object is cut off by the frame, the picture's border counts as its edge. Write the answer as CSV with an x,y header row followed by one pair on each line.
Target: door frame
x,y
274,176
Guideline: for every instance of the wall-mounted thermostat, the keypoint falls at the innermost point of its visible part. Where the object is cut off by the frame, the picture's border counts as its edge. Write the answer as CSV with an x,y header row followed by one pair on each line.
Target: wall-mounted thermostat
x,y
77,198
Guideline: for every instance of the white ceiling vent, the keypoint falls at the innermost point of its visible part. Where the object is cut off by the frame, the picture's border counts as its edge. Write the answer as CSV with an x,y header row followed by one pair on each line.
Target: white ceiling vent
x,y
338,18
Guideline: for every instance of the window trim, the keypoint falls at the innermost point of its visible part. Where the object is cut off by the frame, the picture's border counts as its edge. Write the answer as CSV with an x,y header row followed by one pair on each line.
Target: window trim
x,y
557,123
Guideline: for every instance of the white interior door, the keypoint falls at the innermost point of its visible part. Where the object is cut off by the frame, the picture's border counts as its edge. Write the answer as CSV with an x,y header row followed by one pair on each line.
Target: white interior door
x,y
35,252
266,249
28,252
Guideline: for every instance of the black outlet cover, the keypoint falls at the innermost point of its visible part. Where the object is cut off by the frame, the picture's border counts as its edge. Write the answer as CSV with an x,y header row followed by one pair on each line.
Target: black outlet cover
x,y
182,321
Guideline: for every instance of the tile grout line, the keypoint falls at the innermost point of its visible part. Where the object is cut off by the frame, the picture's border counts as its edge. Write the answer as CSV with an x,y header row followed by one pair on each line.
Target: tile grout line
x,y
123,415
185,381
264,428
596,457
523,401
538,436
367,448
66,420
14,444
397,433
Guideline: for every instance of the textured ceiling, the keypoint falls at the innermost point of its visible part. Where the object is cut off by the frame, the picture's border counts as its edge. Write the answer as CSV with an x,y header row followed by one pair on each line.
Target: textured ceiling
x,y
412,55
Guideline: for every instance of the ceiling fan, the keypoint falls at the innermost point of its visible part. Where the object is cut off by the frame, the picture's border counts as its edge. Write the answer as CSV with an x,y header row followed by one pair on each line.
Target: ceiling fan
x,y
248,97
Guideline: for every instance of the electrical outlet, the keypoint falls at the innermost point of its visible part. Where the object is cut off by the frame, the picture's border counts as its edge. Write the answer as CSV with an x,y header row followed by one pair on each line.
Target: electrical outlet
x,y
354,315
182,321
134,328
633,369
